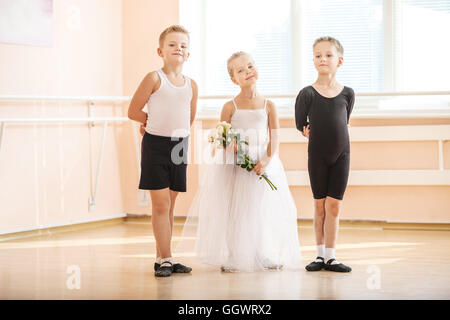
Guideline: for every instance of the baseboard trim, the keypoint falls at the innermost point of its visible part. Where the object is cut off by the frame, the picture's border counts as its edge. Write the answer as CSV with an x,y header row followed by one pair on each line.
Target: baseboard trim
x,y
59,228
107,221
348,223
387,225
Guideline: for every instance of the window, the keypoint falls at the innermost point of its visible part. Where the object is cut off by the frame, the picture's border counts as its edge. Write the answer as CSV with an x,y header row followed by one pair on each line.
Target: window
x,y
389,45
358,25
260,27
421,45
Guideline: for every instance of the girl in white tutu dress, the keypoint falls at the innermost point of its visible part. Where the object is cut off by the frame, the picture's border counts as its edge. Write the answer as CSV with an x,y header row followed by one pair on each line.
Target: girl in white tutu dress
x,y
239,222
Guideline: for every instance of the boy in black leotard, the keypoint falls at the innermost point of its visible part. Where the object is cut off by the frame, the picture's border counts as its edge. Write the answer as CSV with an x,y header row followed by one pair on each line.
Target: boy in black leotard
x,y
322,112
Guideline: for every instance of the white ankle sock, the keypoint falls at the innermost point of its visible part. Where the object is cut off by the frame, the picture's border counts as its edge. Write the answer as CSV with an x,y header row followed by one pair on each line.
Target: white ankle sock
x,y
158,260
166,260
329,254
321,250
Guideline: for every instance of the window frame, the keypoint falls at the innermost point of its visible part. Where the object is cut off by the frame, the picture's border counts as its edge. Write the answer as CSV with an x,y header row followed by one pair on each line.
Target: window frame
x,y
390,76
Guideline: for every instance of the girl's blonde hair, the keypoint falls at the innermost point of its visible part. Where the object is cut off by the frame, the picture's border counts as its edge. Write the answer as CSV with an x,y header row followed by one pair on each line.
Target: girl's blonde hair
x,y
234,56
172,28
335,42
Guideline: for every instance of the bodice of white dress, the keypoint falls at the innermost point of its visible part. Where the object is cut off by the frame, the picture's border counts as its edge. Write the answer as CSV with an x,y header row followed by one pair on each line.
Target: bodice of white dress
x,y
252,125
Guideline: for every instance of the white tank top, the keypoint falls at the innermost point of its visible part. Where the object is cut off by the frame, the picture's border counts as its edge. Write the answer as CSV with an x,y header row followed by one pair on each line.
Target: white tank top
x,y
169,109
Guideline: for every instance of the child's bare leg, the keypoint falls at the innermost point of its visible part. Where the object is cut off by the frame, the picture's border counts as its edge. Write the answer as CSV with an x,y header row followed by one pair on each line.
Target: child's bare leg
x,y
319,219
332,209
160,221
173,196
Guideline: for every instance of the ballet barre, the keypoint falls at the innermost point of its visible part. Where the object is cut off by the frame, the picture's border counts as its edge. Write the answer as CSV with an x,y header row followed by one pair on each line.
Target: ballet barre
x,y
438,177
215,97
358,94
364,177
88,120
63,98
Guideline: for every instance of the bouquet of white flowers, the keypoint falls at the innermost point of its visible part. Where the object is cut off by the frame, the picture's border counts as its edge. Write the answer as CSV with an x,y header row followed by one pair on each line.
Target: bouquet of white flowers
x,y
223,138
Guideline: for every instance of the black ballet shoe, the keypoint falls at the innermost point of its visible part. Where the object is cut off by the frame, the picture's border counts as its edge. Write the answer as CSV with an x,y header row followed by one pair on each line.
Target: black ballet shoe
x,y
164,270
316,266
177,268
336,267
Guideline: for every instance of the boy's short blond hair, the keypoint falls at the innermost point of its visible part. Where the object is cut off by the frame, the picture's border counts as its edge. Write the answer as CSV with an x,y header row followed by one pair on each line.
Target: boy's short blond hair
x,y
172,28
335,42
234,56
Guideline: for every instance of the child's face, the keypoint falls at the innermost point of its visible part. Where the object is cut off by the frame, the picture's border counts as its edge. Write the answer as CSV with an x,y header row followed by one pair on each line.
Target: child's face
x,y
244,71
326,58
175,48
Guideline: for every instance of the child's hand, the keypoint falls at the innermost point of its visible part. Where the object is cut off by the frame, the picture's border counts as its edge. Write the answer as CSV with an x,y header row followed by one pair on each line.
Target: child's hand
x,y
261,165
142,129
305,131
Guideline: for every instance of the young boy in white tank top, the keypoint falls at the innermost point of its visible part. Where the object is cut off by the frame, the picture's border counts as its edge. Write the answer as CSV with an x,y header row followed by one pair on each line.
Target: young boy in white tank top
x,y
171,99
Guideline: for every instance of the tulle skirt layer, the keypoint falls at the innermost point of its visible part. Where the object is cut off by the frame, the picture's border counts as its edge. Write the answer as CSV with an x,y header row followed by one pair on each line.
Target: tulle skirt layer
x,y
240,223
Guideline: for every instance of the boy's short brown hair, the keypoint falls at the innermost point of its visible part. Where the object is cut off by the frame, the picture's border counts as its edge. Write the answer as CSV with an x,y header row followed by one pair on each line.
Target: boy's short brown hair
x,y
172,28
335,42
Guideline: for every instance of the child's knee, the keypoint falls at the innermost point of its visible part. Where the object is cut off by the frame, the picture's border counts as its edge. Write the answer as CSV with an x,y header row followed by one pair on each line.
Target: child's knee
x,y
332,206
319,208
161,206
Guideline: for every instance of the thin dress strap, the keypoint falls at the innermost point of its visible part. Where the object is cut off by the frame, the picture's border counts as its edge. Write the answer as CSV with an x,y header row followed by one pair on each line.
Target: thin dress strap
x,y
265,105
235,106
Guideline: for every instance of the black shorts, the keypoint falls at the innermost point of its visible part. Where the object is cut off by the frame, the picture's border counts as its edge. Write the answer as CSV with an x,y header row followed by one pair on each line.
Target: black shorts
x,y
328,175
163,163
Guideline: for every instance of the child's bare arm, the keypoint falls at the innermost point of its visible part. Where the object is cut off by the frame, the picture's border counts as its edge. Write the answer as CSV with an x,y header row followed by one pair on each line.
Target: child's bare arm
x,y
274,129
227,112
274,138
194,100
225,115
147,86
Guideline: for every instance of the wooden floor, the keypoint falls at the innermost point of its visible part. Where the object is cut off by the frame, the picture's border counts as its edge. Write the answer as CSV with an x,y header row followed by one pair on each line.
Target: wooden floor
x,y
116,262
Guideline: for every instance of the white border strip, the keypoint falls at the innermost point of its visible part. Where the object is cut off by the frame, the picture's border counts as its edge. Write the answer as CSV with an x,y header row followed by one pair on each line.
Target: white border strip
x,y
404,114
380,133
128,98
381,178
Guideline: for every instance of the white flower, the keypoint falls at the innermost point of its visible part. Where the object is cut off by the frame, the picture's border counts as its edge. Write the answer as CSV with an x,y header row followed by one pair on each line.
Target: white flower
x,y
220,130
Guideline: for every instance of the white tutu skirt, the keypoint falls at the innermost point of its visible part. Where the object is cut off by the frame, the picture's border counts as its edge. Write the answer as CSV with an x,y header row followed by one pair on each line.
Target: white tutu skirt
x,y
240,223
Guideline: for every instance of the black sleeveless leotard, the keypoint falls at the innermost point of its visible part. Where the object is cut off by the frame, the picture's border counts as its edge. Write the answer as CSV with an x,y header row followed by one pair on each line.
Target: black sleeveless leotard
x,y
329,144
